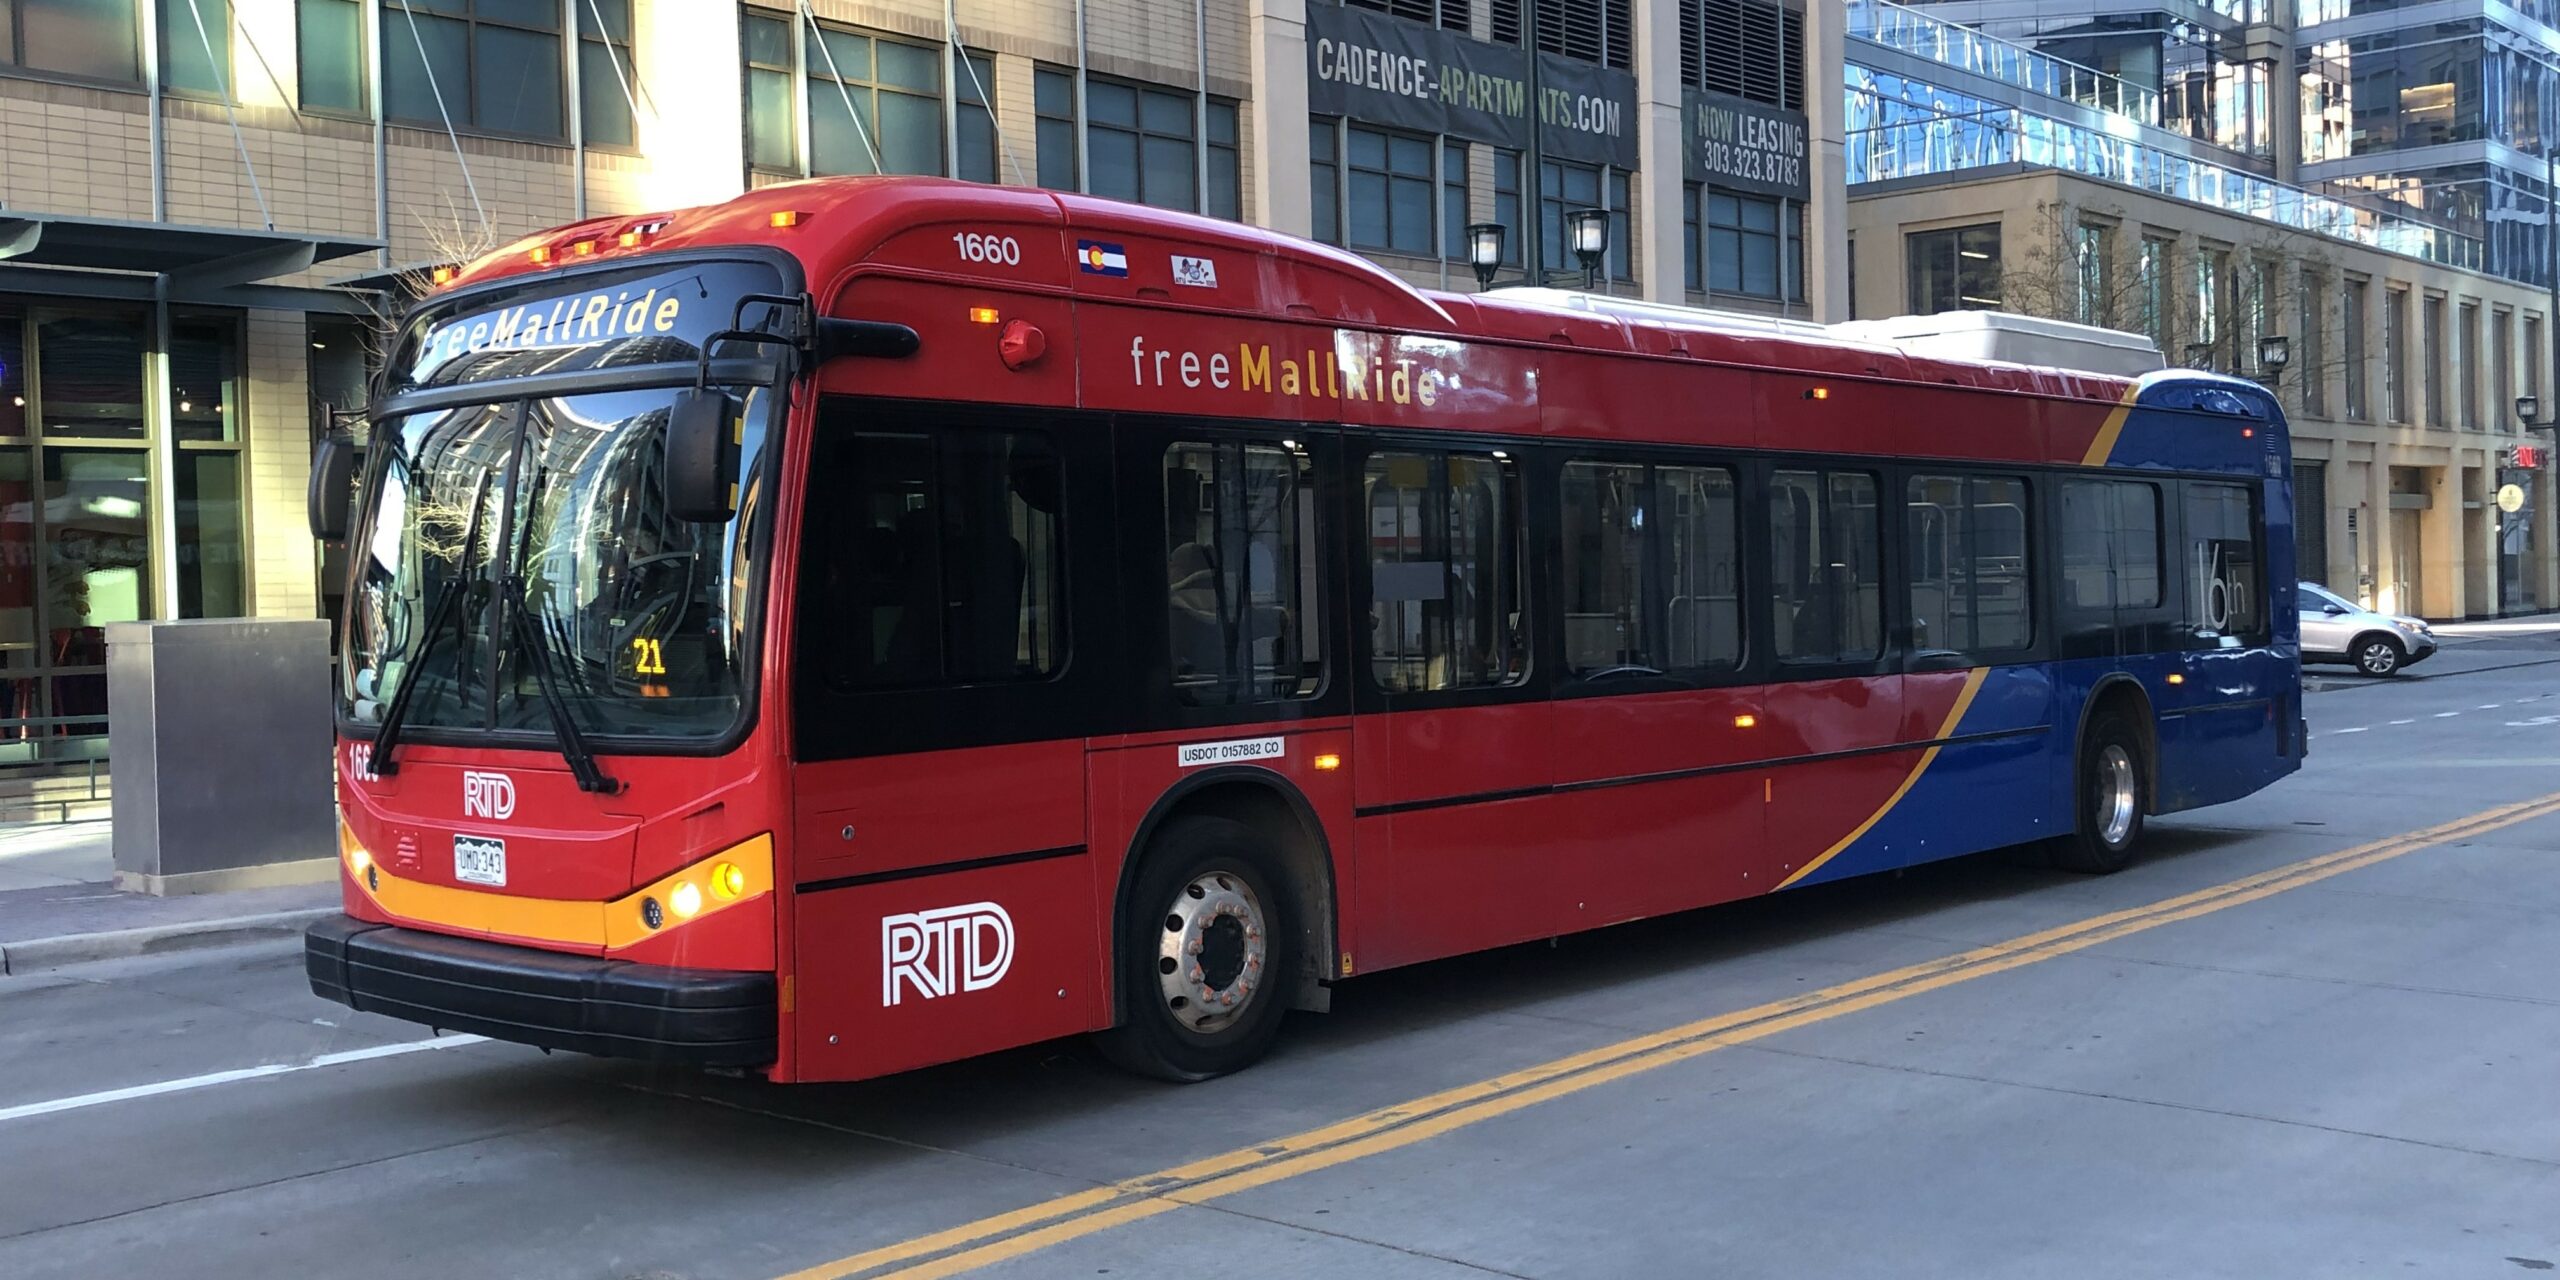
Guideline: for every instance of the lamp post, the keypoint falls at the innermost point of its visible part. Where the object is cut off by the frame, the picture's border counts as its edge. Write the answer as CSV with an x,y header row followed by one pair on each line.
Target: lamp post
x,y
2529,412
2275,351
2200,355
1589,229
1484,250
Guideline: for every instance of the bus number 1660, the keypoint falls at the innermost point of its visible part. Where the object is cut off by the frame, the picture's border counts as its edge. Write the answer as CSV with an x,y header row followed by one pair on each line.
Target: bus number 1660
x,y
998,250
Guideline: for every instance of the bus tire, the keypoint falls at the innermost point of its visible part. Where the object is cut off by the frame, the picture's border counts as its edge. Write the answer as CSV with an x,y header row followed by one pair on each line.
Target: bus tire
x,y
1206,954
2107,799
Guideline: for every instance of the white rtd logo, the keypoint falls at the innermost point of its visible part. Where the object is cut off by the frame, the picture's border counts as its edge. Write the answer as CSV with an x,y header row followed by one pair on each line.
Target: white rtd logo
x,y
944,951
488,795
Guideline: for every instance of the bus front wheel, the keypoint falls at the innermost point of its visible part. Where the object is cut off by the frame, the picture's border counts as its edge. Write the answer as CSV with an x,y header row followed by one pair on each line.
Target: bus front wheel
x,y
1206,954
2109,799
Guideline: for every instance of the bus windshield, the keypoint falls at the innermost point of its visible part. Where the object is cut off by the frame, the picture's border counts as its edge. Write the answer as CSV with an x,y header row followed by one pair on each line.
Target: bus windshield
x,y
525,539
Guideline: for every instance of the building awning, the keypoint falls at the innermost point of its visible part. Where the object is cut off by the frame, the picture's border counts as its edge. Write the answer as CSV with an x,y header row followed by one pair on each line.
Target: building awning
x,y
395,279
195,257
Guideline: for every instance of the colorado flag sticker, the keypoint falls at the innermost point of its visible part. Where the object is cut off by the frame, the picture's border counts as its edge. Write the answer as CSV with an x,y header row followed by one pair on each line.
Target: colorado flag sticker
x,y
1100,259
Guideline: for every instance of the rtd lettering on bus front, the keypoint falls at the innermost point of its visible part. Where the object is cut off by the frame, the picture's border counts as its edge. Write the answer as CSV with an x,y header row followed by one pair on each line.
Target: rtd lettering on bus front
x,y
1316,373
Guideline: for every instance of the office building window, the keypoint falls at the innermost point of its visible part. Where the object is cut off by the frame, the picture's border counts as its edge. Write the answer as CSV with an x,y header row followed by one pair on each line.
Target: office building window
x,y
1324,177
2310,347
2093,266
97,39
875,104
973,86
2151,286
329,48
2466,362
772,135
2502,363
195,45
1053,110
1452,14
1388,186
1453,201
1600,31
1747,48
2213,266
2395,353
492,65
1507,173
1226,168
2534,354
1693,262
1142,141
1569,187
2351,344
606,74
2431,350
1745,251
1957,269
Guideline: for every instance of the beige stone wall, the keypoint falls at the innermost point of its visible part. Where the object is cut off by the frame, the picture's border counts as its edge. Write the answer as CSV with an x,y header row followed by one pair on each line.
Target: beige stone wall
x,y
75,150
283,565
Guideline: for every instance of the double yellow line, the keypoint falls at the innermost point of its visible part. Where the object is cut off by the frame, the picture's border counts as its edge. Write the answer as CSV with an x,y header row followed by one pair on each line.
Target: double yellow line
x,y
1008,1235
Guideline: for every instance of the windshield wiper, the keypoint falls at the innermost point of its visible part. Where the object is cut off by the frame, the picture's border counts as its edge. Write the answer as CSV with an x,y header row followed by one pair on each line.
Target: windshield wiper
x,y
448,609
535,648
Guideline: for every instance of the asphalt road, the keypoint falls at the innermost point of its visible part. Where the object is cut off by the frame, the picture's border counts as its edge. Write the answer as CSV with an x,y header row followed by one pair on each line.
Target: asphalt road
x,y
2289,1043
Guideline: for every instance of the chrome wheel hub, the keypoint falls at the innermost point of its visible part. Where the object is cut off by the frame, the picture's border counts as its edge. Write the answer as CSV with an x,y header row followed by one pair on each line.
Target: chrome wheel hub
x,y
1210,958
2115,795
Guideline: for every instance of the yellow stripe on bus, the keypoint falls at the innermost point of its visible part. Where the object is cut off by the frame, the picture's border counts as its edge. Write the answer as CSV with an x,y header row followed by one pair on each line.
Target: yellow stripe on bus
x,y
1946,728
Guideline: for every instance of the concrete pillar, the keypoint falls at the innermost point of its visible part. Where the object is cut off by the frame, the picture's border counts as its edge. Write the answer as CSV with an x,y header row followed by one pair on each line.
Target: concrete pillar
x,y
1826,230
1276,43
688,56
1661,254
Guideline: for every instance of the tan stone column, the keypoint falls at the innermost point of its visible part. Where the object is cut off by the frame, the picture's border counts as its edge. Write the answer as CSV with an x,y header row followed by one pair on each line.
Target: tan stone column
x,y
1661,255
1276,43
1826,223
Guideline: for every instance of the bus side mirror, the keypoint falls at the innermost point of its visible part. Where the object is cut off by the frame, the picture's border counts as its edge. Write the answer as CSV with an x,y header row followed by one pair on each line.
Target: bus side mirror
x,y
333,490
702,457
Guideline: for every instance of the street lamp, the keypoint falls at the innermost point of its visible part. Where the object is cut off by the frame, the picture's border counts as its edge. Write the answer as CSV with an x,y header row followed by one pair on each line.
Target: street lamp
x,y
2200,355
1484,250
2275,351
1590,229
2528,412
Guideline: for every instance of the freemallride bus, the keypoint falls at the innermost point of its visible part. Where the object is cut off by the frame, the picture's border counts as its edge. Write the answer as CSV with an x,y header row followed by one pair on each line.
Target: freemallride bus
x,y
876,621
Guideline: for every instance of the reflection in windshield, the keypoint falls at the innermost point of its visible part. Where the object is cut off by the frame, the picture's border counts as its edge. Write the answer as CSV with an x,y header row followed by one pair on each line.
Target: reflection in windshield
x,y
641,616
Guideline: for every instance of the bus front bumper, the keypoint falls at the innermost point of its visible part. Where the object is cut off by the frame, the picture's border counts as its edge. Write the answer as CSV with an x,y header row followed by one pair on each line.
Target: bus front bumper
x,y
610,1008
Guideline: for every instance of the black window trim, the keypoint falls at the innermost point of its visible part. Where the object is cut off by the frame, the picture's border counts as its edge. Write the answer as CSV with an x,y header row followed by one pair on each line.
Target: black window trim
x,y
1751,570
1536,570
2037,615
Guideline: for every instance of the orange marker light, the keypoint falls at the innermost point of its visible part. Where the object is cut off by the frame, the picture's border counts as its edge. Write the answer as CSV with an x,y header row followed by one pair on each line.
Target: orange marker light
x,y
441,275
2175,678
629,239
1818,393
2247,433
541,253
1745,721
583,248
1328,761
982,315
785,218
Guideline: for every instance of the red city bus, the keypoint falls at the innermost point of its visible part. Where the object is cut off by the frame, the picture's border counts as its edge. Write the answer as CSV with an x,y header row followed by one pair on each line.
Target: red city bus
x,y
872,622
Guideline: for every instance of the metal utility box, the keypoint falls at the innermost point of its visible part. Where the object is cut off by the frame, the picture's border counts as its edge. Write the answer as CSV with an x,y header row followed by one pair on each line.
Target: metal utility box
x,y
219,737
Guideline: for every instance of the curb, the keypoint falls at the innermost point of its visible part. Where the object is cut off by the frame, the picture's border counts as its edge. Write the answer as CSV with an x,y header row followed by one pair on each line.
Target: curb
x,y
116,944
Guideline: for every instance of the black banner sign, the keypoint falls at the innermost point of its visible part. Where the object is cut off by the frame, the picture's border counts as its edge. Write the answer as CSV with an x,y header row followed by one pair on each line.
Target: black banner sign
x,y
1405,75
1738,145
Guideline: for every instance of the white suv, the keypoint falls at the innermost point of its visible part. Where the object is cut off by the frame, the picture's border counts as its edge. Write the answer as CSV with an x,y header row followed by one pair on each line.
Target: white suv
x,y
2338,630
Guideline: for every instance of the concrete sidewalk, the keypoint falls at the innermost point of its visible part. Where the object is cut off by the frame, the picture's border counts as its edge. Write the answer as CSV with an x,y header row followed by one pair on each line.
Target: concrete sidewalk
x,y
59,905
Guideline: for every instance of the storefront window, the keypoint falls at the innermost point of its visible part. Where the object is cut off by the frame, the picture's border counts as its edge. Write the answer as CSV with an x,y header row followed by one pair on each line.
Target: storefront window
x,y
204,374
13,371
209,579
90,371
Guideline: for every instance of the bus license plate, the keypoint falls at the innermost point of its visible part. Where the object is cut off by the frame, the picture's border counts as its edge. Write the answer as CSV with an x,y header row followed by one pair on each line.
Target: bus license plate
x,y
480,860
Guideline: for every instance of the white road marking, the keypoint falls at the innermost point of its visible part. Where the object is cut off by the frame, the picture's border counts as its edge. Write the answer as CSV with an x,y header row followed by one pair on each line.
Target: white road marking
x,y
2358,729
2489,706
2404,722
2535,722
2447,715
129,1093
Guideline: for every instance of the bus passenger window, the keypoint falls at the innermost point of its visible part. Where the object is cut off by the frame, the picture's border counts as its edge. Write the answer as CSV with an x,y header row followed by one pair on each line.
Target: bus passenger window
x,y
2225,591
1240,573
2110,544
1967,549
1826,593
935,559
1650,569
1444,572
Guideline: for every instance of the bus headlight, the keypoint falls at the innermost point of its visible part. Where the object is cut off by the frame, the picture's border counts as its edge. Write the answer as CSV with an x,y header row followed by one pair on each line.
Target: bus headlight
x,y
728,880
685,900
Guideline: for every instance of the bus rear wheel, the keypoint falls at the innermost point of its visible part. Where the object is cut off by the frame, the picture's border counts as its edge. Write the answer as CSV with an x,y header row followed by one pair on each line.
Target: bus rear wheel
x,y
2109,800
1206,954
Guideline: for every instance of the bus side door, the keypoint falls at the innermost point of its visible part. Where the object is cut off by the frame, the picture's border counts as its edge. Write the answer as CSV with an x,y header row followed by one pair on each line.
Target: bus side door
x,y
940,704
